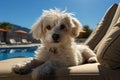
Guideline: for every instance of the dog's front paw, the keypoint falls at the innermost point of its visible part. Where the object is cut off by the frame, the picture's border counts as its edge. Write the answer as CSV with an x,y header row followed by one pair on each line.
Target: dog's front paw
x,y
20,68
92,60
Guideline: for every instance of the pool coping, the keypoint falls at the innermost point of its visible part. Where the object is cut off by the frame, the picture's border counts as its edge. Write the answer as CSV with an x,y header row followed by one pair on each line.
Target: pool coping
x,y
18,46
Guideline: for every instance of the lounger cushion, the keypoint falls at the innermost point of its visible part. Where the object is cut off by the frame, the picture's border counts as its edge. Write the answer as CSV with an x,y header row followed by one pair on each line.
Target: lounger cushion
x,y
101,28
108,52
82,72
6,70
115,18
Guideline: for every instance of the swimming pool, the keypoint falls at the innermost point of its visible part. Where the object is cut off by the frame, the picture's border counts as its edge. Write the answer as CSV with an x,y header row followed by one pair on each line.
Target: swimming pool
x,y
7,53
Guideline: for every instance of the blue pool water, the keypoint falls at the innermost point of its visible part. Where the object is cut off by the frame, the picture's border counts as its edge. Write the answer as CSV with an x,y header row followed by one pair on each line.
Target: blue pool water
x,y
7,53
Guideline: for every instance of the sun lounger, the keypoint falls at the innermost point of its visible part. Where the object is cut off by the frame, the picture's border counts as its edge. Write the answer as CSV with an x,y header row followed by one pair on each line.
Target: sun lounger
x,y
25,41
12,41
2,43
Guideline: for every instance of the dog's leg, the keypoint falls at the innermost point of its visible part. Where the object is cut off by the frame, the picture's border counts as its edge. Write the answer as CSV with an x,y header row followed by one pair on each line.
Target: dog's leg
x,y
26,66
88,54
44,71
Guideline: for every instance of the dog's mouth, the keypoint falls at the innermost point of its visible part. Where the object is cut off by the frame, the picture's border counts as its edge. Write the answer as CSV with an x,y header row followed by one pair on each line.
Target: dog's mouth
x,y
56,41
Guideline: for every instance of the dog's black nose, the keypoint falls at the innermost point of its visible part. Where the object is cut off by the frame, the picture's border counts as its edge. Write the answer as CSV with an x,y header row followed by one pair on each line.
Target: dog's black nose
x,y
56,37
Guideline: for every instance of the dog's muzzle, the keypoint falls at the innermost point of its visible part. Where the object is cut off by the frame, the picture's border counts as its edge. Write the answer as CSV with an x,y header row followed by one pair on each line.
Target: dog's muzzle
x,y
56,38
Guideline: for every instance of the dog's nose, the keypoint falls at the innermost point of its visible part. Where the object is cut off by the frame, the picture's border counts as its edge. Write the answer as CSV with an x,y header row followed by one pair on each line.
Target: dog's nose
x,y
56,37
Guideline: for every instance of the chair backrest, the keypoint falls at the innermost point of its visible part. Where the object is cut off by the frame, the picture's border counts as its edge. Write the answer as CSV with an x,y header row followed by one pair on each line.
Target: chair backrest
x,y
114,21
108,49
101,29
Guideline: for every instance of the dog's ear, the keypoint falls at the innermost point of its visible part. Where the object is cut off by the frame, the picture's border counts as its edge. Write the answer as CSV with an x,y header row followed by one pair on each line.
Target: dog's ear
x,y
37,29
75,27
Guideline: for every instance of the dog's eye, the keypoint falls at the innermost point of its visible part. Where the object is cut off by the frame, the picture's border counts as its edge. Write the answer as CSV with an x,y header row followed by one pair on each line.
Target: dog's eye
x,y
62,26
48,27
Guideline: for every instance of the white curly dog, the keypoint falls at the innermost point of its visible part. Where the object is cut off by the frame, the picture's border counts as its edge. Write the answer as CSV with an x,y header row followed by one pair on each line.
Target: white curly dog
x,y
57,30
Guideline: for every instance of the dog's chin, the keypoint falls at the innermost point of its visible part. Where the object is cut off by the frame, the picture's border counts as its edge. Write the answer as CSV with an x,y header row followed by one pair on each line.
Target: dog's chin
x,y
56,42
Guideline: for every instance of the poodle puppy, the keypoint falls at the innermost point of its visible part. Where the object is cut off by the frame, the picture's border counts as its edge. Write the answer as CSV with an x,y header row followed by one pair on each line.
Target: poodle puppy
x,y
57,30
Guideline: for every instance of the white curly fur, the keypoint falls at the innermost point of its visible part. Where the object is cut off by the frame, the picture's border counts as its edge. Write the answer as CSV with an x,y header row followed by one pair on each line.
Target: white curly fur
x,y
56,29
